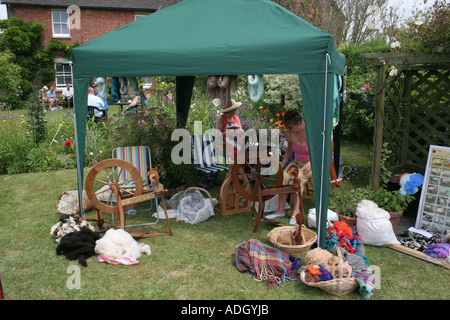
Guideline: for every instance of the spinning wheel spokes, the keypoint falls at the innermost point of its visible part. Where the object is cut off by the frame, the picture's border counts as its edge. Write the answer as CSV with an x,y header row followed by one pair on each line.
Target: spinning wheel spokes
x,y
105,177
259,177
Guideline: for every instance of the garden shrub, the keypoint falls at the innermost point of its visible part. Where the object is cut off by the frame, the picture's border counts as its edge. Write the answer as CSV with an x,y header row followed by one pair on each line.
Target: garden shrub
x,y
43,158
153,128
16,142
23,40
282,92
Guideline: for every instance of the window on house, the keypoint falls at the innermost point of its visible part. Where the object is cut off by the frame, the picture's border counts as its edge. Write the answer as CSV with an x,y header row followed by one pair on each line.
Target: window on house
x,y
63,74
60,24
138,16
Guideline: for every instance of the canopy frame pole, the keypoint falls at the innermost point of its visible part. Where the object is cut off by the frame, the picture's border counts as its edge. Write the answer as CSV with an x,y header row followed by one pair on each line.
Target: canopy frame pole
x,y
80,166
321,232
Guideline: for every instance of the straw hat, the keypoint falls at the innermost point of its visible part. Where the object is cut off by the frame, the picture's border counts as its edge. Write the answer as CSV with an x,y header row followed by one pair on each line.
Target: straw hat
x,y
234,105
45,88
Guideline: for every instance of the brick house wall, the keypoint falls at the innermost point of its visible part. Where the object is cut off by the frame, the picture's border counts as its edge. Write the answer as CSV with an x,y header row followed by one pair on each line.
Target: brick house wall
x,y
96,19
93,22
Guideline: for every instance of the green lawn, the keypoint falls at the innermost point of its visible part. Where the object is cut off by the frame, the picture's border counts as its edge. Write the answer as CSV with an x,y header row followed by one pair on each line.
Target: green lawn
x,y
193,264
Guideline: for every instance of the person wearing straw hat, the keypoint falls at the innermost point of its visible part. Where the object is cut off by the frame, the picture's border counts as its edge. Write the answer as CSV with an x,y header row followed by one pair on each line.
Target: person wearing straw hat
x,y
227,121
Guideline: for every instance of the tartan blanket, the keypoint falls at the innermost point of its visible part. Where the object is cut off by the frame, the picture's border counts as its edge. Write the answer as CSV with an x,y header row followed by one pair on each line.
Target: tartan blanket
x,y
265,263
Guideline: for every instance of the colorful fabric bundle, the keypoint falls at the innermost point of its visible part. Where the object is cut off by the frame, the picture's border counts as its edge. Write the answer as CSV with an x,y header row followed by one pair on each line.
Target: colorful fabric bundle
x,y
366,282
265,263
325,275
439,250
342,235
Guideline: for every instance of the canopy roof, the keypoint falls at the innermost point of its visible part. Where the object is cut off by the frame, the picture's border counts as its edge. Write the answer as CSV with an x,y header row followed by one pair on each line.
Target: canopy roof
x,y
221,37
203,37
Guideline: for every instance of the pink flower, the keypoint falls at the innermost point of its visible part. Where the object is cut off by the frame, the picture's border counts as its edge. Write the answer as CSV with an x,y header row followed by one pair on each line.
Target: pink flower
x,y
366,86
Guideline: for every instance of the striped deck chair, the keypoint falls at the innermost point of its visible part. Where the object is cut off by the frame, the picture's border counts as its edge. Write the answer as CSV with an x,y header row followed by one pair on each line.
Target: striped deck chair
x,y
140,157
204,157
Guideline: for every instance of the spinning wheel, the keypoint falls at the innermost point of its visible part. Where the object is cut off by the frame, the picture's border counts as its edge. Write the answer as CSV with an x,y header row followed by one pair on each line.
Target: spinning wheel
x,y
104,177
115,196
259,177
262,183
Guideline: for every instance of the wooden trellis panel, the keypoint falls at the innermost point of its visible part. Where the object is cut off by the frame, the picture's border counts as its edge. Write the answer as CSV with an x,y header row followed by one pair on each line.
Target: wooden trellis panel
x,y
412,110
417,115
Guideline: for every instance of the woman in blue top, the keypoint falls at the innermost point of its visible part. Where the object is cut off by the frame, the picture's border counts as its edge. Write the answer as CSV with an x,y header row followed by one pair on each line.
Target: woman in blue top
x,y
51,96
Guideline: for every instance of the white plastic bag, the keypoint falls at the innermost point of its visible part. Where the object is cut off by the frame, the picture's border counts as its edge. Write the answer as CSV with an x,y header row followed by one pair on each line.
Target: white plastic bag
x,y
194,208
171,207
312,219
373,225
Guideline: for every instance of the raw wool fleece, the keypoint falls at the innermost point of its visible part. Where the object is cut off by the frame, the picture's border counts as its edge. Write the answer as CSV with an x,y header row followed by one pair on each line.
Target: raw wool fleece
x,y
78,245
69,223
67,202
117,243
373,225
221,87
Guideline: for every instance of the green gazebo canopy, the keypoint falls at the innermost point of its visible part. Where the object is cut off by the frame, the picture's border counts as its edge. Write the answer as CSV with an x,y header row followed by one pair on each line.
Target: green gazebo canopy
x,y
221,37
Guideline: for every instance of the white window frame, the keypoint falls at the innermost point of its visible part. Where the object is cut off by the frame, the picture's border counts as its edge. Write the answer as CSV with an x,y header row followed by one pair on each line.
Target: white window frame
x,y
139,16
60,23
67,72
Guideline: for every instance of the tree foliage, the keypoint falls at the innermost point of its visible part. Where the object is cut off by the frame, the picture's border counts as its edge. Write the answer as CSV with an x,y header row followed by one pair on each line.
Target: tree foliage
x,y
21,45
426,32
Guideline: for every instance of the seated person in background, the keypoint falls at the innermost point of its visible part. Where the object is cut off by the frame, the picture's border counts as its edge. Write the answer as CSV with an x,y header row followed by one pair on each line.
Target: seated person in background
x,y
68,94
51,96
95,101
105,101
297,144
44,98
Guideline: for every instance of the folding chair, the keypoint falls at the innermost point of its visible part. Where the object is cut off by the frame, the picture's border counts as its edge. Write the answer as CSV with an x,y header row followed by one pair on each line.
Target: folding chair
x,y
140,158
204,156
97,113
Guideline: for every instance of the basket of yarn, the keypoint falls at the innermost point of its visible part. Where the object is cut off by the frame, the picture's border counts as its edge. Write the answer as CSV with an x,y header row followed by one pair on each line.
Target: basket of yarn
x,y
328,271
283,239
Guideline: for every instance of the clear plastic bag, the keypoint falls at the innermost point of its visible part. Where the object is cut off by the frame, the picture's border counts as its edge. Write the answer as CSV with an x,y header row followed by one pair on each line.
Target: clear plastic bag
x,y
194,208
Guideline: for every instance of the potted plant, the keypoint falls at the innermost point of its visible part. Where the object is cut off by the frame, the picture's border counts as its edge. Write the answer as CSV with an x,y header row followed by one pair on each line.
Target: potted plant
x,y
360,85
347,214
344,202
393,202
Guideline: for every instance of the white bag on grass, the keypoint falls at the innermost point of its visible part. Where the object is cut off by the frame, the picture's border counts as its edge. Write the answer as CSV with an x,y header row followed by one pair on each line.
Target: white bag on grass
x,y
373,225
194,208
312,218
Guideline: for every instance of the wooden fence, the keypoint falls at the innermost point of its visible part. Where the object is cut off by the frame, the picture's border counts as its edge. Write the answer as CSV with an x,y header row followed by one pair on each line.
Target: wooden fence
x,y
412,110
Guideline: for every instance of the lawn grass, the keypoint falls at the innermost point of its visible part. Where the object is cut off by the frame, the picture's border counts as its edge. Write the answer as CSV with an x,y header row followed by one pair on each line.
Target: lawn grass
x,y
193,264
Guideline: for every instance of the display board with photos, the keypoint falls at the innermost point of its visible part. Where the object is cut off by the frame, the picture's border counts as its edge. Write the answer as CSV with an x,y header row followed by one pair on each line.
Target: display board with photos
x,y
434,206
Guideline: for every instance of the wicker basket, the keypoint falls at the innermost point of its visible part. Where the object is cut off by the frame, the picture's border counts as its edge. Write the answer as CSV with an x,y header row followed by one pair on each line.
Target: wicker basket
x,y
200,189
338,286
280,238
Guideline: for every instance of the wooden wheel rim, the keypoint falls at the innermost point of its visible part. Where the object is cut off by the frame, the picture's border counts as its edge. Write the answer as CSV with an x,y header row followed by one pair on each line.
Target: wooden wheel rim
x,y
243,190
112,163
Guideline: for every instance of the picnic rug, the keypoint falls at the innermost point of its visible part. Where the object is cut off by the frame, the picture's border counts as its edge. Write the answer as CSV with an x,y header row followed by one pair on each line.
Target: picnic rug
x,y
266,263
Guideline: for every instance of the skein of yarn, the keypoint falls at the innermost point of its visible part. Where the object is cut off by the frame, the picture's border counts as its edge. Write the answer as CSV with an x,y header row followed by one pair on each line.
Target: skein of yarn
x,y
317,256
